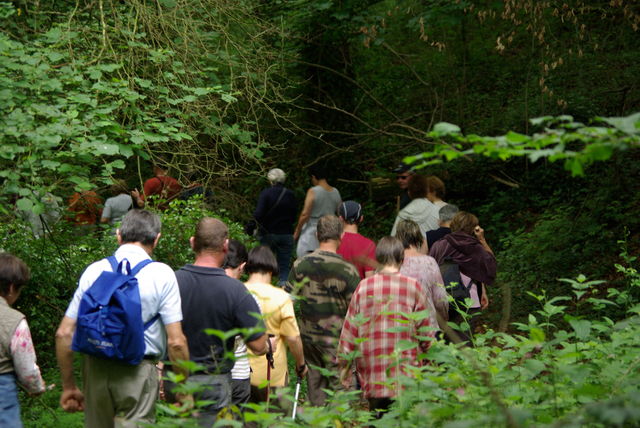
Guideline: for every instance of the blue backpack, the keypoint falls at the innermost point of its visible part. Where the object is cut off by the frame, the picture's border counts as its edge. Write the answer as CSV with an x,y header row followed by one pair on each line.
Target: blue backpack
x,y
109,323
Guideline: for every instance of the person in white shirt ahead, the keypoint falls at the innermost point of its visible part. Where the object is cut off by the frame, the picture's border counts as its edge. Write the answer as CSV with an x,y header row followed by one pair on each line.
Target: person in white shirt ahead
x,y
117,394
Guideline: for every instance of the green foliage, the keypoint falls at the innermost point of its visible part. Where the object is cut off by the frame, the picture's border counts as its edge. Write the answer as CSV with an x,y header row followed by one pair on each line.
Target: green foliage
x,y
66,122
179,224
82,96
562,139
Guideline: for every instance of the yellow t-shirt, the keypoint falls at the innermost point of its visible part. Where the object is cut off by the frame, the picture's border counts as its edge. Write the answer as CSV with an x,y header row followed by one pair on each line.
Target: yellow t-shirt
x,y
280,320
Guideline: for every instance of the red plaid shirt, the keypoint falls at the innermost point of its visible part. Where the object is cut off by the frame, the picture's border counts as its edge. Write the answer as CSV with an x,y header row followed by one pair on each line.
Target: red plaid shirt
x,y
374,315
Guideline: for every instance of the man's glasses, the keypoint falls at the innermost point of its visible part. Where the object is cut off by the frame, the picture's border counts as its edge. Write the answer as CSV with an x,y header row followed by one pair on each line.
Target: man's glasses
x,y
401,177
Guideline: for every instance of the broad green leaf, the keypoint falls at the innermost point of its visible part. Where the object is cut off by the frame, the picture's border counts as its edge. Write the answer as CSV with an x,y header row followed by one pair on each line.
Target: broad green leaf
x,y
168,3
228,98
629,124
582,328
537,335
540,120
533,367
106,149
514,137
24,204
575,166
445,128
55,56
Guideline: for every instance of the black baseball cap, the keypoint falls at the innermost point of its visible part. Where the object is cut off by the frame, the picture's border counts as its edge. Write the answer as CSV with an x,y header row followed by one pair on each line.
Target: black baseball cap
x,y
403,167
350,211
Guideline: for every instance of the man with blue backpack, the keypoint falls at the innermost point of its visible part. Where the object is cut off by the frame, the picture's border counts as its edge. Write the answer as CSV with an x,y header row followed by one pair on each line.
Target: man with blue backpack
x,y
124,316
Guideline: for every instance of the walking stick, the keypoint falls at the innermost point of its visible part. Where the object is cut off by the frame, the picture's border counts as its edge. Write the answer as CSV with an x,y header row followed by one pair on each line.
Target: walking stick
x,y
295,401
300,372
270,365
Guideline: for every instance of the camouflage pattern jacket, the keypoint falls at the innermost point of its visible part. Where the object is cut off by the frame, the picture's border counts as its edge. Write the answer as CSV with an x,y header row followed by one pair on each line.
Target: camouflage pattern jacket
x,y
324,282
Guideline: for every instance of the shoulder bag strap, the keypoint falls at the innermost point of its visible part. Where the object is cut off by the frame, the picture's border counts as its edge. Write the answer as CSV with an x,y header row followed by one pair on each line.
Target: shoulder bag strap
x,y
284,189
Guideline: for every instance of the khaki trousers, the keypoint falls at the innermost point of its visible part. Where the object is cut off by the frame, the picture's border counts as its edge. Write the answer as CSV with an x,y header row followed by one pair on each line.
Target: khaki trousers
x,y
323,357
118,395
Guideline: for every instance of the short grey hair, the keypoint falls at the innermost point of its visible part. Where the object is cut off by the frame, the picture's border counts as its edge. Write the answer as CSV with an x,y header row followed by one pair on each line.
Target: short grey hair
x,y
329,227
447,212
276,175
390,251
140,226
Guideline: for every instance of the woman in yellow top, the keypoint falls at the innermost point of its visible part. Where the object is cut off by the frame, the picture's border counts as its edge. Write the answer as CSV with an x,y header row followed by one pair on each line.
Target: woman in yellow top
x,y
279,319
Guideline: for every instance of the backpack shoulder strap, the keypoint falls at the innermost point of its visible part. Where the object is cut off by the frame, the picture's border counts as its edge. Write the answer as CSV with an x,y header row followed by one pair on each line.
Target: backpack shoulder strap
x,y
113,262
134,272
139,267
151,321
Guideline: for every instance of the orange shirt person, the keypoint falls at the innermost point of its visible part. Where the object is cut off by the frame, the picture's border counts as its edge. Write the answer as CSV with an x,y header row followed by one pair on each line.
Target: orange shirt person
x,y
85,208
161,185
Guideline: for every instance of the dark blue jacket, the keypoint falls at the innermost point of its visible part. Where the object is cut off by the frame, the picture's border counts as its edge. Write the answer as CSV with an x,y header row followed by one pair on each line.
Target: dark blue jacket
x,y
280,218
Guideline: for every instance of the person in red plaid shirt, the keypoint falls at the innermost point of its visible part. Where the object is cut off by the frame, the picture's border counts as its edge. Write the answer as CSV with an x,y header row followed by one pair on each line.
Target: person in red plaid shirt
x,y
374,315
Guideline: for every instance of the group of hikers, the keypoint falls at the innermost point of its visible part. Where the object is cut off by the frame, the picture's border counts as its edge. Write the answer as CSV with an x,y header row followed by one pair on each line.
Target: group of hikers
x,y
130,314
87,209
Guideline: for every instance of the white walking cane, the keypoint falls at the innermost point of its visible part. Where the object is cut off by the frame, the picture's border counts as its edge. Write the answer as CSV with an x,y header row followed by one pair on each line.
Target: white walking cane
x,y
295,402
300,372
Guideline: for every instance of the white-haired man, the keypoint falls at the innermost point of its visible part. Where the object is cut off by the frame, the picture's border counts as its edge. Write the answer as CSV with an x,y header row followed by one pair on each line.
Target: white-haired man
x,y
275,214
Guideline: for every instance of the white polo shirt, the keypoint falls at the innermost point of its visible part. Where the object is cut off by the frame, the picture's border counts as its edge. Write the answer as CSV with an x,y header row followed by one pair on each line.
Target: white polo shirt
x,y
159,294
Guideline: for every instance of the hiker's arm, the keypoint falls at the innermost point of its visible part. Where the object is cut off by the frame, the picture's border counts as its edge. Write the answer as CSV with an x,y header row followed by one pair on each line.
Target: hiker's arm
x,y
261,207
295,346
23,356
259,346
305,214
177,347
479,233
138,199
72,399
106,214
484,300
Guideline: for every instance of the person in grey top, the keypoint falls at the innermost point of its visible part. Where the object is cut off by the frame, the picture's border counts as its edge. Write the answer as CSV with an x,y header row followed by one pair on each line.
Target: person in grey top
x,y
321,199
118,205
42,223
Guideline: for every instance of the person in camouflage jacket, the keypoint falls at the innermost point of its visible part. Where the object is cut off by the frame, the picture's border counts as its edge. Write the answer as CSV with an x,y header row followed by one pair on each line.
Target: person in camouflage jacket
x,y
324,283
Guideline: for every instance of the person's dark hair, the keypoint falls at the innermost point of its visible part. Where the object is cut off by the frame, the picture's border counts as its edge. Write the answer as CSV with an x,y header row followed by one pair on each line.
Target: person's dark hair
x,y
409,233
417,186
261,260
140,226
464,222
435,185
118,186
318,171
389,251
236,255
12,271
447,212
210,235
329,227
